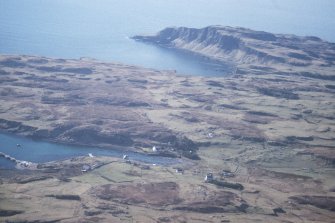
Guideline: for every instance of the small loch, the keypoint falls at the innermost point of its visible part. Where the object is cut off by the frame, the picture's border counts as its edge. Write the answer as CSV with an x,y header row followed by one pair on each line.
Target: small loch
x,y
40,151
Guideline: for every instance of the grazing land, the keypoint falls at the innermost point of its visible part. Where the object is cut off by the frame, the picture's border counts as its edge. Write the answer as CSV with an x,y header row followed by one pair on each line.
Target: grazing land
x,y
266,135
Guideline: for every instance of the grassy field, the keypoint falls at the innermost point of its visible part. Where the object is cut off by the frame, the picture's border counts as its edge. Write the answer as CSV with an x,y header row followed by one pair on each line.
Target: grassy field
x,y
278,143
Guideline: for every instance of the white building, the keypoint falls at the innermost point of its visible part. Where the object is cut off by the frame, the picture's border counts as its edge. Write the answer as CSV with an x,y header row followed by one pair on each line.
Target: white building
x,y
154,149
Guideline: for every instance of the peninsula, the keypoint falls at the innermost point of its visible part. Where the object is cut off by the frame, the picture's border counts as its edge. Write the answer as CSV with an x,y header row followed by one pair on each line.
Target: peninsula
x,y
252,51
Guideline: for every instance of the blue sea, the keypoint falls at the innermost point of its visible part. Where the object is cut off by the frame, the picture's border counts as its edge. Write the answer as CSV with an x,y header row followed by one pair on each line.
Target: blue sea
x,y
101,29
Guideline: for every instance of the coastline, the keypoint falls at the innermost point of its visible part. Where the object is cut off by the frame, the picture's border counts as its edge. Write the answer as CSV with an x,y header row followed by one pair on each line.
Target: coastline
x,y
75,150
218,67
252,51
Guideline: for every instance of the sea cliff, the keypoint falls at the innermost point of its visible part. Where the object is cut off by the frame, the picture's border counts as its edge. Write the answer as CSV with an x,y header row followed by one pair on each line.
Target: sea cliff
x,y
247,48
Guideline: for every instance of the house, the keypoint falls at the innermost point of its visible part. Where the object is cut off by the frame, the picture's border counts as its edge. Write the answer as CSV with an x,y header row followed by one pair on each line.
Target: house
x,y
227,174
85,168
179,170
90,155
154,149
209,177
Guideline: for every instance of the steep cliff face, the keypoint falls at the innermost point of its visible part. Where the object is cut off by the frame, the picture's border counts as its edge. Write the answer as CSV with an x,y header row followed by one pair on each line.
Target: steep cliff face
x,y
245,46
206,37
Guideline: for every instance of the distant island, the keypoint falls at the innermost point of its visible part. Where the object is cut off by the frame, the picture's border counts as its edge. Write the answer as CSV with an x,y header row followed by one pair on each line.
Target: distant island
x,y
255,144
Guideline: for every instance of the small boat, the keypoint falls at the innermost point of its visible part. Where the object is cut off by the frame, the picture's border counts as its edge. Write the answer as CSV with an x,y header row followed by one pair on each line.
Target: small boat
x,y
18,145
90,155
